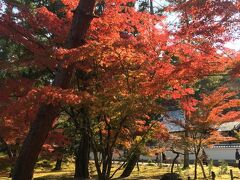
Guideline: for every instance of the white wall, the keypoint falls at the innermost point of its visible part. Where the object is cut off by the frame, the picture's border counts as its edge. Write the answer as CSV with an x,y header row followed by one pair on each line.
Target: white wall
x,y
212,153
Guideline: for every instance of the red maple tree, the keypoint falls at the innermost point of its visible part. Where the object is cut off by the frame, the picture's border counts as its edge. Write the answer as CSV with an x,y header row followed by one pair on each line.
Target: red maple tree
x,y
128,54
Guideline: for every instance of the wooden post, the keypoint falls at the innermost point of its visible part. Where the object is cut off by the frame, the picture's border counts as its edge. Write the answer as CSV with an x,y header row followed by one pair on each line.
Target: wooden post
x,y
213,175
189,178
231,174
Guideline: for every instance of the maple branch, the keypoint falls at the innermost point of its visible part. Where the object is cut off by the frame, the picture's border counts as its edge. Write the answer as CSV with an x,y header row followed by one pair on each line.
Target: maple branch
x,y
118,132
94,147
25,36
176,152
135,149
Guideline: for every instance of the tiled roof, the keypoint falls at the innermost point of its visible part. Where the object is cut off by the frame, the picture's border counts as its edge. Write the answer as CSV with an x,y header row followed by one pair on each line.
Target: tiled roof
x,y
229,126
233,145
176,115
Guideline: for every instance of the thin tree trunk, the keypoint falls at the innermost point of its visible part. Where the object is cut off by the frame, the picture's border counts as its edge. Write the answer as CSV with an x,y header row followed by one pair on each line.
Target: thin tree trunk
x,y
83,151
195,169
96,159
151,7
174,160
106,167
59,151
130,165
48,113
138,166
186,159
196,163
58,165
203,171
104,163
186,152
109,162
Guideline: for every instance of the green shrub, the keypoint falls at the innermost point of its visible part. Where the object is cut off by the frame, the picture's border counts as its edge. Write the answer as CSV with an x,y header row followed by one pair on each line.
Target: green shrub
x,y
210,167
223,167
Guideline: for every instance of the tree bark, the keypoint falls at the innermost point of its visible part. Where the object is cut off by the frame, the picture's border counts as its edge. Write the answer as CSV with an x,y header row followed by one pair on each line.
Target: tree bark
x,y
174,161
186,159
130,165
196,162
186,152
83,151
203,171
195,168
33,143
58,165
48,113
151,7
82,160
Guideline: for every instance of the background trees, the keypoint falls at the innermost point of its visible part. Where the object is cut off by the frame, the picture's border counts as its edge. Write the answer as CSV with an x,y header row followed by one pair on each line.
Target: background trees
x,y
205,116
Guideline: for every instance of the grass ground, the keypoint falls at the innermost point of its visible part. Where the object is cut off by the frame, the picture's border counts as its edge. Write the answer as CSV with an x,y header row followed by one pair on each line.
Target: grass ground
x,y
146,171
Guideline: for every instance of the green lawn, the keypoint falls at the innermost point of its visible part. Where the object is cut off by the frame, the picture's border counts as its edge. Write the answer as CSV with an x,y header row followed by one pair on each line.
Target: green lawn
x,y
147,171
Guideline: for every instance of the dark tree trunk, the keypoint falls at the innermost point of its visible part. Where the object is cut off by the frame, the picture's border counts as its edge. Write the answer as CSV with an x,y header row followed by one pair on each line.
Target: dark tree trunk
x,y
33,143
186,159
102,175
47,113
138,166
151,7
195,168
59,152
174,161
106,164
130,165
58,165
196,163
104,167
109,162
203,171
82,160
186,152
83,150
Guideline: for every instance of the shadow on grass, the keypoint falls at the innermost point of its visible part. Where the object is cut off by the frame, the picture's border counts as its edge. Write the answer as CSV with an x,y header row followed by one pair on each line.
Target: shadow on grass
x,y
141,177
61,177
5,166
53,177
